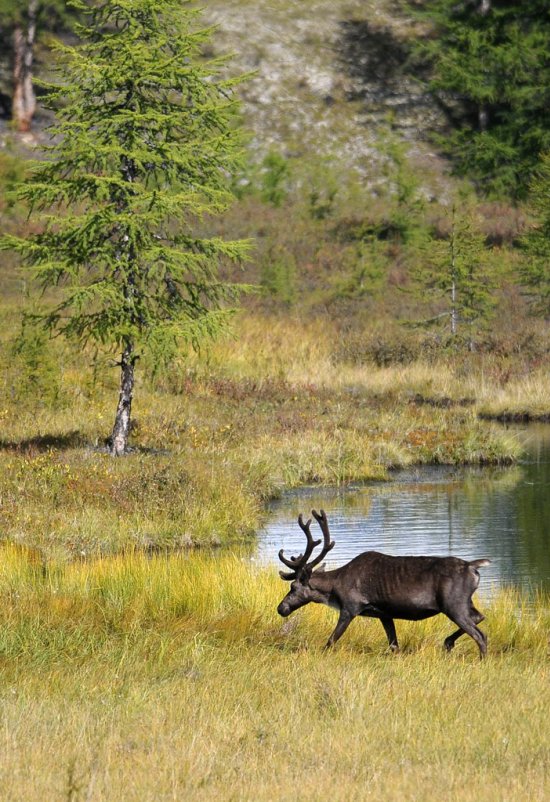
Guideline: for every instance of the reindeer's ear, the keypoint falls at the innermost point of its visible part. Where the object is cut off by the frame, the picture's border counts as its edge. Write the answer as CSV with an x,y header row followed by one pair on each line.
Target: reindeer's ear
x,y
321,569
286,576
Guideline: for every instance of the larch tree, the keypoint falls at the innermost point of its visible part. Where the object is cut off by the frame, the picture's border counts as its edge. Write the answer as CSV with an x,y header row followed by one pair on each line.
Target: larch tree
x,y
142,152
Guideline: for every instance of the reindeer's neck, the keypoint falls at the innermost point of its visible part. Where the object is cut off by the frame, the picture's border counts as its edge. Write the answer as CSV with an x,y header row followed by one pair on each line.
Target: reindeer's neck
x,y
323,583
323,580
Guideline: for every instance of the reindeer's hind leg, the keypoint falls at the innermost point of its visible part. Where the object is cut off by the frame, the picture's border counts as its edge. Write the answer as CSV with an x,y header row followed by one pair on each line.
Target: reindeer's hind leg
x,y
466,623
450,641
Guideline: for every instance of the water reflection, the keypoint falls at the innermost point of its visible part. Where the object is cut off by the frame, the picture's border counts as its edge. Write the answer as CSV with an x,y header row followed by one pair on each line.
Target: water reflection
x,y
500,513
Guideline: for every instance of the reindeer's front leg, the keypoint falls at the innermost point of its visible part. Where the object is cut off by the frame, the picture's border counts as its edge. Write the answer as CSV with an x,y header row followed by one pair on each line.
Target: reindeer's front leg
x,y
389,629
343,623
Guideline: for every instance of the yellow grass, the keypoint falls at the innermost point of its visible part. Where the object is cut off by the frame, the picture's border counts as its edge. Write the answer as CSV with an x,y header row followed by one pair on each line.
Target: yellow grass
x,y
173,678
304,352
528,394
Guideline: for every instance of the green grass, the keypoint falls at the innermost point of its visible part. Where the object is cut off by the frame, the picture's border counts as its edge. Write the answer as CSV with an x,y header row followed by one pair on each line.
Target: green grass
x,y
172,677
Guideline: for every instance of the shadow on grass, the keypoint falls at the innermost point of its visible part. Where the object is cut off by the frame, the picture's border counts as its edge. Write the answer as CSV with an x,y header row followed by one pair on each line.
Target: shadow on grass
x,y
45,442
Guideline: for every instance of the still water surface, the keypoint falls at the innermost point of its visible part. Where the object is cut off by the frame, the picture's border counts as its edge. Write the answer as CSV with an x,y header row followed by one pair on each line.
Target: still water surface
x,y
499,513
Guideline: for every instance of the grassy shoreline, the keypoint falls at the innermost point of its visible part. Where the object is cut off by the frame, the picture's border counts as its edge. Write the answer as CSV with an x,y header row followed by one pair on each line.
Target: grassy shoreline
x,y
225,432
227,449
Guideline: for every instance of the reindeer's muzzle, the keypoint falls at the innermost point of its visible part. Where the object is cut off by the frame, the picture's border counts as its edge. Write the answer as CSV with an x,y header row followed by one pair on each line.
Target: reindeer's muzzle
x,y
284,609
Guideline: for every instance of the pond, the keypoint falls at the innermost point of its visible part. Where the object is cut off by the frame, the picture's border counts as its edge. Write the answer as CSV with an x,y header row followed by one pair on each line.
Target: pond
x,y
502,513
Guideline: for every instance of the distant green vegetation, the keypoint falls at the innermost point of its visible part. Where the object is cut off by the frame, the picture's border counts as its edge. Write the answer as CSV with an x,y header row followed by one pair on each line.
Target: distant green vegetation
x,y
490,69
535,272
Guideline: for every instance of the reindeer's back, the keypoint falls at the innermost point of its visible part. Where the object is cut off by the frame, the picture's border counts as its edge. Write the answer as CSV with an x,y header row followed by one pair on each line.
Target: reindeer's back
x,y
404,583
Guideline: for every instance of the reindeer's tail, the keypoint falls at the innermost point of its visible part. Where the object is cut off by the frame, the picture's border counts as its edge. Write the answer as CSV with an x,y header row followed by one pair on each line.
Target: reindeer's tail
x,y
479,563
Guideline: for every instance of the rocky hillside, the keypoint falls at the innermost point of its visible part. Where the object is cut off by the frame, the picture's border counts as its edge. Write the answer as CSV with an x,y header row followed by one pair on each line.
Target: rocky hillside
x,y
326,77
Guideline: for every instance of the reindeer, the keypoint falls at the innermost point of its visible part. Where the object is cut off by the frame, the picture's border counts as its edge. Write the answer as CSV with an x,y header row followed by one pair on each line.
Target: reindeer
x,y
385,587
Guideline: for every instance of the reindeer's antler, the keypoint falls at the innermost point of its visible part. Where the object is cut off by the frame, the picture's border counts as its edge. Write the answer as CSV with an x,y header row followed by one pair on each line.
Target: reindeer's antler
x,y
321,519
300,562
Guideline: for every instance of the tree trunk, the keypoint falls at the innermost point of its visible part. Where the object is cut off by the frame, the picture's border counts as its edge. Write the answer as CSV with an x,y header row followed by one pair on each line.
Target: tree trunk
x,y
483,109
453,308
483,118
121,428
452,244
24,100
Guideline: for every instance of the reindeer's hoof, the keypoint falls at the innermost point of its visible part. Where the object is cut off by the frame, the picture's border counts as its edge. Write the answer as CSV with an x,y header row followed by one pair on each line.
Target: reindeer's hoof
x,y
448,644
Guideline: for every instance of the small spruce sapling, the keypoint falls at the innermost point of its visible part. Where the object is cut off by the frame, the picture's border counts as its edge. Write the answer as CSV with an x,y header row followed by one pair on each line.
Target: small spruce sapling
x,y
458,274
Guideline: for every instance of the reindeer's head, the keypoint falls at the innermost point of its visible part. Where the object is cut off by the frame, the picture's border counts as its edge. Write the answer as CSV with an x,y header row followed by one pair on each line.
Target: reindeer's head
x,y
301,591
